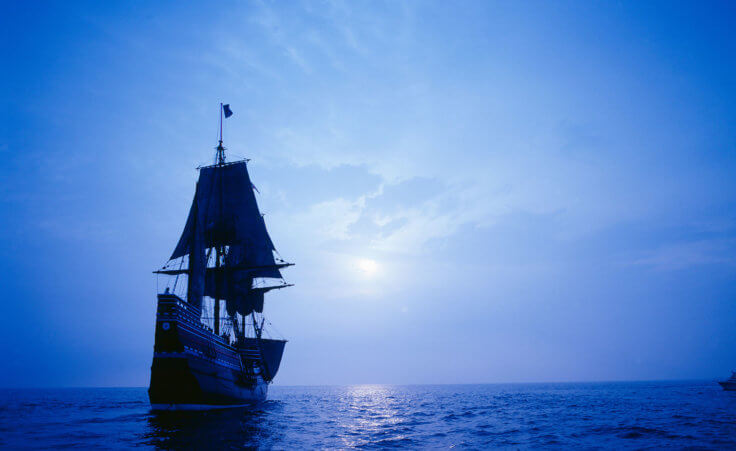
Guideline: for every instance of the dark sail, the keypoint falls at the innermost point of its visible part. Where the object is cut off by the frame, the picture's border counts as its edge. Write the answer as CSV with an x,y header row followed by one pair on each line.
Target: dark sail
x,y
240,295
224,212
271,353
226,208
197,260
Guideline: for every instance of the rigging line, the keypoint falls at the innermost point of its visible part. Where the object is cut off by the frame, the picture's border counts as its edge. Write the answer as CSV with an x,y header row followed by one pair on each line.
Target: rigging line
x,y
181,263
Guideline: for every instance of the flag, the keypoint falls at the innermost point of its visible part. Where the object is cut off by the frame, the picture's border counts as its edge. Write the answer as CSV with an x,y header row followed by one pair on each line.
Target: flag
x,y
226,109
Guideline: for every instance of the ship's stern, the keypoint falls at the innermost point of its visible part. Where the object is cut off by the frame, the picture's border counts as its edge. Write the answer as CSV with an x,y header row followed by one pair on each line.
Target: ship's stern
x,y
194,369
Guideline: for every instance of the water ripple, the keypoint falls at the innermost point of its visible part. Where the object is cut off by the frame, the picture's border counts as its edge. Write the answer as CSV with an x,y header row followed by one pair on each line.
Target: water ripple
x,y
620,415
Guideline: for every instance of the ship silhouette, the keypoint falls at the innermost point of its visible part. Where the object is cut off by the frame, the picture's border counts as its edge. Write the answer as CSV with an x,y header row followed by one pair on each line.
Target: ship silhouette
x,y
211,347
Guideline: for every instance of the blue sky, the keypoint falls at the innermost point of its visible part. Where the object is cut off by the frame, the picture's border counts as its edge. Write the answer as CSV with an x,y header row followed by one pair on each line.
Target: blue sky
x,y
471,191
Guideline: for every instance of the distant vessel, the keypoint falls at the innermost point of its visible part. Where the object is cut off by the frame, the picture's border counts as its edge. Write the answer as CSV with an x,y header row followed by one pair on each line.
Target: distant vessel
x,y
203,357
729,384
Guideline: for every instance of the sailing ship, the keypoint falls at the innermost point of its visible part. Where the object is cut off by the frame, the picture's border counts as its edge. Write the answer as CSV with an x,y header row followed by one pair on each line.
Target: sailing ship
x,y
211,348
730,383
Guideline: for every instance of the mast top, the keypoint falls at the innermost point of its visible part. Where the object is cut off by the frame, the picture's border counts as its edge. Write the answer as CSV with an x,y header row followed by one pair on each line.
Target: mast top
x,y
220,158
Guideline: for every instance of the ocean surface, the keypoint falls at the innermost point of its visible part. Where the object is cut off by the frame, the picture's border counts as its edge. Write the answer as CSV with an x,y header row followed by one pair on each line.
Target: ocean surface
x,y
578,415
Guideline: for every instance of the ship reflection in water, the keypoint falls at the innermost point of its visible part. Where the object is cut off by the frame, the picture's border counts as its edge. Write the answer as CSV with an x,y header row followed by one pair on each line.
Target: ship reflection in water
x,y
215,429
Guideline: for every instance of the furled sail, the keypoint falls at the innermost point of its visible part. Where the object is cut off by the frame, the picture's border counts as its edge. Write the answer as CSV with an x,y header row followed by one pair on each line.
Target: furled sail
x,y
240,299
240,296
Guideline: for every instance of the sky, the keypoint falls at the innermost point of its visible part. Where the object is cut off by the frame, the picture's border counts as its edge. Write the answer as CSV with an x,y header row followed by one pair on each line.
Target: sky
x,y
472,192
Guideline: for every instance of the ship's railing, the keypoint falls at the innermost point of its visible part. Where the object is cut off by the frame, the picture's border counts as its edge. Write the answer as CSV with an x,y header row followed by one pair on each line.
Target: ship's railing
x,y
172,307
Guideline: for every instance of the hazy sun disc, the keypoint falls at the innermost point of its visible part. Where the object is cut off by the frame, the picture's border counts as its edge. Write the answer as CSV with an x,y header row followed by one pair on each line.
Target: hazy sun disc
x,y
368,266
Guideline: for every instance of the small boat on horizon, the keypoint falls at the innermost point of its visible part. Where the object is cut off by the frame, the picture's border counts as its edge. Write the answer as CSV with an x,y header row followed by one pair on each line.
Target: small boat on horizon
x,y
730,384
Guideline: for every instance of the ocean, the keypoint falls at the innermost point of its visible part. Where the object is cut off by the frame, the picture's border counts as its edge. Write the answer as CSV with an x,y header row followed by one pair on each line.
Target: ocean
x,y
618,415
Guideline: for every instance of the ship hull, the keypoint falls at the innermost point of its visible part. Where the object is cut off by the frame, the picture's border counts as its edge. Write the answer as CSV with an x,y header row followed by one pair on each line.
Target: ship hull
x,y
728,385
194,369
191,383
193,407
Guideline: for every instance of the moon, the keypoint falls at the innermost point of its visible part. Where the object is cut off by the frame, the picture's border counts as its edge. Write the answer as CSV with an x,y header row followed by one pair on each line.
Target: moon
x,y
368,266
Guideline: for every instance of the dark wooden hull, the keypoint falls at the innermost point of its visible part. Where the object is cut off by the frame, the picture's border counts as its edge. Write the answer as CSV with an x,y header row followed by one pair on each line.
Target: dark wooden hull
x,y
185,383
195,369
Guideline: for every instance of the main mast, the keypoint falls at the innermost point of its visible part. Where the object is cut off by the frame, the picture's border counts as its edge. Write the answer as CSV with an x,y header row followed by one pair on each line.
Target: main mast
x,y
219,250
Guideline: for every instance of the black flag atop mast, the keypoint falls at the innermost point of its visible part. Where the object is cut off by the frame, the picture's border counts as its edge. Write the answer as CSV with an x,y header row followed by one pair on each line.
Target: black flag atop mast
x,y
226,109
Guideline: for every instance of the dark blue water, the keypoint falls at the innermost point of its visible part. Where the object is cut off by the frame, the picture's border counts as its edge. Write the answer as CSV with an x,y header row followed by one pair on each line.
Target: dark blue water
x,y
608,415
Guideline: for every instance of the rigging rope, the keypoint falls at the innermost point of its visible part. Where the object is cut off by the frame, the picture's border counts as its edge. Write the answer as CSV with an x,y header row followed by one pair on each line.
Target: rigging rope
x,y
177,276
